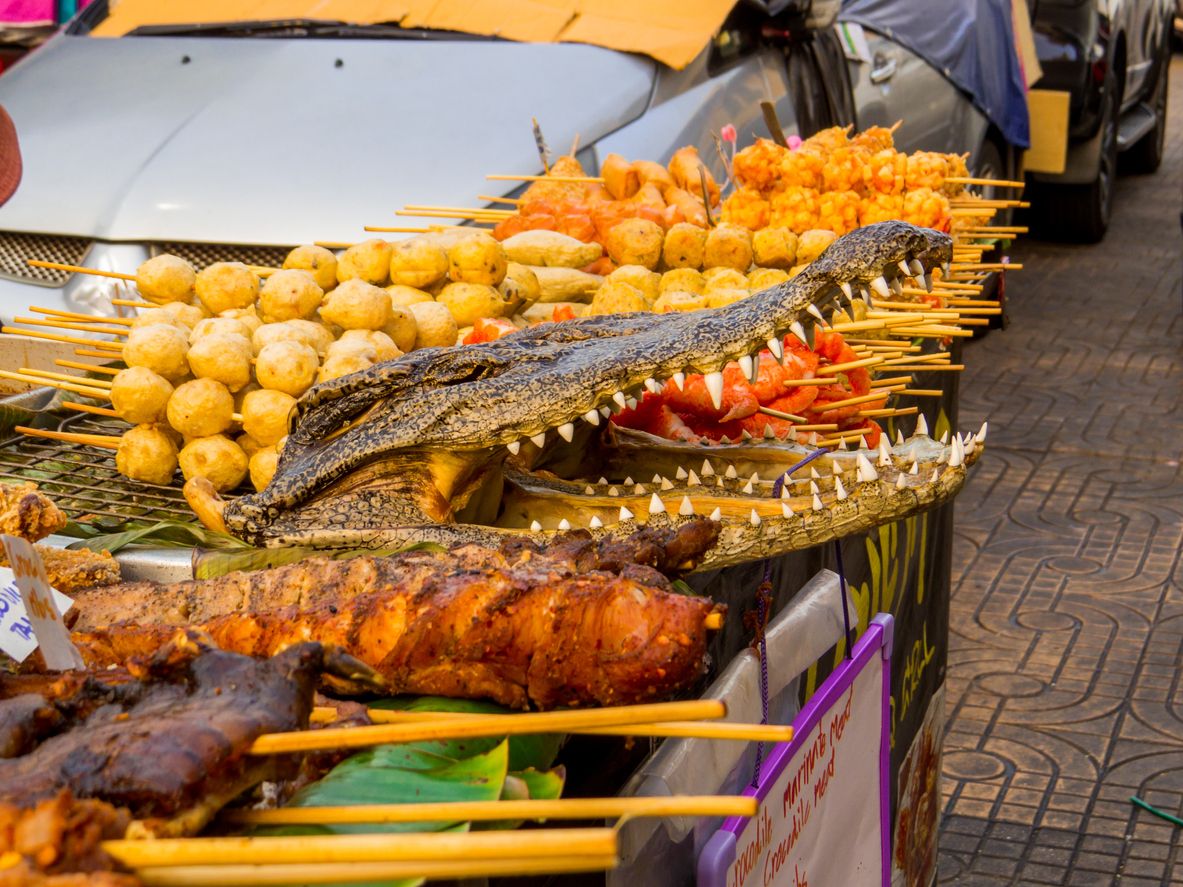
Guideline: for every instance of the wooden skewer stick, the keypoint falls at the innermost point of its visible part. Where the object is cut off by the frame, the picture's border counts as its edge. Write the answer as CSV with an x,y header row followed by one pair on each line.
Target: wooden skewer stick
x,y
972,180
990,204
84,390
482,215
106,441
923,392
796,383
72,340
835,368
104,355
778,414
89,367
936,367
78,269
70,325
492,725
134,303
86,318
879,394
281,875
926,358
994,229
986,213
87,408
505,178
822,426
332,244
396,229
845,437
894,380
479,811
514,201
459,209
879,414
402,847
77,380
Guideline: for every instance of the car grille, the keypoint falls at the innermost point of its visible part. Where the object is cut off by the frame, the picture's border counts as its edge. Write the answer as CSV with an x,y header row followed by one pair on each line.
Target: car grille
x,y
17,246
199,255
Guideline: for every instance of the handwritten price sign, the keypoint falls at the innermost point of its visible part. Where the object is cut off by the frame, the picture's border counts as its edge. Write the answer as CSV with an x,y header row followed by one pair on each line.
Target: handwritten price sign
x,y
31,610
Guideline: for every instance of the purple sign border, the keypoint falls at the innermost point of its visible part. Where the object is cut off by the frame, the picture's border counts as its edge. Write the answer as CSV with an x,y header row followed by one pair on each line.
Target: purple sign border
x,y
719,852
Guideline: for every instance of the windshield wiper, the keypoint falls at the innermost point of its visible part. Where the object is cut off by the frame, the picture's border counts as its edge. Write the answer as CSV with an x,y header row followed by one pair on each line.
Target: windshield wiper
x,y
300,28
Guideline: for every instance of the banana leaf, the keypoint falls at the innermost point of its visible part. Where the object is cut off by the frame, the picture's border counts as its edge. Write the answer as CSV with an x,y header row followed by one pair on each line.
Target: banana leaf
x,y
112,536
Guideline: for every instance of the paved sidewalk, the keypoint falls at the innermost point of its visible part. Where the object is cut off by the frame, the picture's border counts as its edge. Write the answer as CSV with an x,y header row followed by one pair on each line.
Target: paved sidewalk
x,y
1066,662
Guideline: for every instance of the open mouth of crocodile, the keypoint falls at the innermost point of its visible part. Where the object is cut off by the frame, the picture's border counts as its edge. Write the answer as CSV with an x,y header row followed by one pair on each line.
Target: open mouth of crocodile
x,y
514,435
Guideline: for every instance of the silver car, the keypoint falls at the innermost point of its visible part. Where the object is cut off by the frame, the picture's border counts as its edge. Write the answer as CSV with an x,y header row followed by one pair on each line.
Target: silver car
x,y
237,142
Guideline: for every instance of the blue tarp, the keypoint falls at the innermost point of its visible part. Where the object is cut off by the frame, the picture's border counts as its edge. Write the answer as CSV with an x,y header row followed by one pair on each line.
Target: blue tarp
x,y
970,41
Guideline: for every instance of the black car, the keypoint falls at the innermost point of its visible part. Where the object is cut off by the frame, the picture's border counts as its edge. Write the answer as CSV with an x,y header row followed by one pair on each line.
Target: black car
x,y
1112,57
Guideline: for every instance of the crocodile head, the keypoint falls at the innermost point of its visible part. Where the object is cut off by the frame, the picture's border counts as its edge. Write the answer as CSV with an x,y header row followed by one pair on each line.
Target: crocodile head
x,y
510,436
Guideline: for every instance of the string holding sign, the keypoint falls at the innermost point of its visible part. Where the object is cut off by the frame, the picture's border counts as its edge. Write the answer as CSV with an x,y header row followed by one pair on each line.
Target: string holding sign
x,y
42,607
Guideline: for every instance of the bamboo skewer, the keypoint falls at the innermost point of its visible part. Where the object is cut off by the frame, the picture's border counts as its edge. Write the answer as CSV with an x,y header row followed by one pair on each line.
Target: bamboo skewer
x,y
835,368
78,269
894,380
104,355
70,325
923,392
923,358
345,872
84,390
134,303
105,441
402,847
514,201
458,209
879,414
935,367
490,725
395,229
479,811
72,340
89,367
65,377
779,414
972,180
87,408
547,178
332,244
795,383
87,318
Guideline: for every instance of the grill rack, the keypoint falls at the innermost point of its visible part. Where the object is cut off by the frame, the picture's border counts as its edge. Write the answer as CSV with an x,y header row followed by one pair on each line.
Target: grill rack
x,y
83,481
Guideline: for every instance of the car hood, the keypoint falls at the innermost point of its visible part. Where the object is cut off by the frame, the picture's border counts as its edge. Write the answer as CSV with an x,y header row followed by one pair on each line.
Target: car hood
x,y
284,141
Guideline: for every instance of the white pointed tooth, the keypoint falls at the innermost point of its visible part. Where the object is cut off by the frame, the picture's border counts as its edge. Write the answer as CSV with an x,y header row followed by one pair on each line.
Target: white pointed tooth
x,y
769,434
748,488
631,403
612,491
678,379
936,475
656,479
944,437
714,383
879,284
926,279
680,474
799,331
592,417
842,444
707,468
606,412
595,523
896,286
922,425
564,524
717,515
785,509
628,481
905,268
625,514
744,434
686,508
589,490
946,268
539,439
724,439
514,447
839,489
899,436
915,469
621,400
971,443
813,488
535,526
866,471
917,267
667,484
792,435
777,347
746,364
639,490
981,435
956,453
899,481
656,506
719,481
755,518
847,290
651,385
816,312
862,442
731,473
603,481
813,472
692,479
884,454
837,467
566,432
784,491
817,503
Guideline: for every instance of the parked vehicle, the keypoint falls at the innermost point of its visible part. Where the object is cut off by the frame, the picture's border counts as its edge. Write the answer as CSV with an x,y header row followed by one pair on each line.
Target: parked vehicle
x,y
238,141
1113,58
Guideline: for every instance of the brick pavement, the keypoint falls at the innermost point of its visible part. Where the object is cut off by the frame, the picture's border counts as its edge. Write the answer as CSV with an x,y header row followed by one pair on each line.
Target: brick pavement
x,y
1065,673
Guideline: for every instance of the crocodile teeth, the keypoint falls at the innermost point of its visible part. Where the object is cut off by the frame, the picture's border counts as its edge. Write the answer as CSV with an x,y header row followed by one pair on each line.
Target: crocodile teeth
x,y
915,469
792,435
813,309
731,473
879,284
899,481
769,434
681,474
625,514
896,286
862,442
777,347
678,379
564,524
612,491
692,480
755,518
817,503
719,481
785,509
566,431
686,508
535,526
707,468
651,386
922,425
714,383
946,268
639,490
717,515
944,437
628,481
813,488
747,488
839,490
926,279
595,523
917,267
799,331
666,484
813,472
956,453
724,439
784,492
656,506
899,436
837,468
514,447
603,481
539,439
631,403
656,479
969,443
606,412
866,471
905,268
744,434
981,435
592,417
621,400
746,363
842,445
589,490
847,290
884,454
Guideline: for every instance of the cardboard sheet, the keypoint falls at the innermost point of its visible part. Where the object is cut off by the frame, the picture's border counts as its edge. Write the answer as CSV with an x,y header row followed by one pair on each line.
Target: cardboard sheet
x,y
1049,131
671,31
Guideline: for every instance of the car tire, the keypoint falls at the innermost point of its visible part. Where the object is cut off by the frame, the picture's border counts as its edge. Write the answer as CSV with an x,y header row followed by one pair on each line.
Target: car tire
x,y
1080,213
1146,155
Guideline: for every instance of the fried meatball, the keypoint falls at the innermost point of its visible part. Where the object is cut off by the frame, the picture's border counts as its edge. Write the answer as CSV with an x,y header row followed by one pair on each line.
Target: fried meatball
x,y
435,327
265,415
383,345
368,261
402,328
617,298
417,263
147,453
684,246
812,244
160,347
404,296
470,301
357,305
477,259
763,278
200,407
216,458
166,278
246,316
686,280
520,285
140,396
227,326
723,278
317,261
728,246
287,366
184,313
262,465
224,357
288,295
635,242
774,248
345,363
226,285
648,282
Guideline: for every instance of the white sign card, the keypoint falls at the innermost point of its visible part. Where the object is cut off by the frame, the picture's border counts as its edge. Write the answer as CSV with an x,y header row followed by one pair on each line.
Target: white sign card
x,y
31,610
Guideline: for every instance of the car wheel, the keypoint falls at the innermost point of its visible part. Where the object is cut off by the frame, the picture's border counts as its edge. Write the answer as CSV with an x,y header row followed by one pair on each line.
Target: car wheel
x,y
1146,155
1080,213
